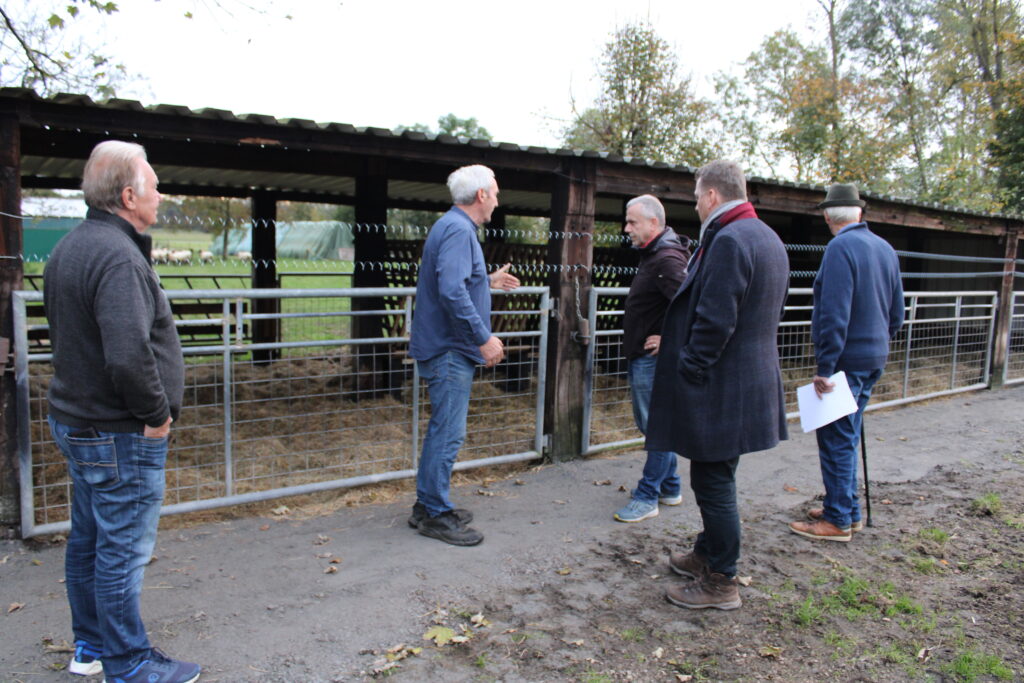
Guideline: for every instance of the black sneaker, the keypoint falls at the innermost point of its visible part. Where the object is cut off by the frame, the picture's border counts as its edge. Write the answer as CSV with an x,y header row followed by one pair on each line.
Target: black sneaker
x,y
158,668
419,513
448,528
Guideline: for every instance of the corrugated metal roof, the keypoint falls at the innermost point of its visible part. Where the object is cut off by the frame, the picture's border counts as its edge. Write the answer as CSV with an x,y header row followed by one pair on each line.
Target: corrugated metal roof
x,y
68,168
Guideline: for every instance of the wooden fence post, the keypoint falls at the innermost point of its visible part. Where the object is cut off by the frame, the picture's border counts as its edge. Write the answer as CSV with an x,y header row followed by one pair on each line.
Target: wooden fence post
x,y
1004,316
571,247
264,272
10,280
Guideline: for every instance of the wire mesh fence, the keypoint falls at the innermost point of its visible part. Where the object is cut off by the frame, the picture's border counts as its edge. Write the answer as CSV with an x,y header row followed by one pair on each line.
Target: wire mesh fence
x,y
943,348
1013,371
318,409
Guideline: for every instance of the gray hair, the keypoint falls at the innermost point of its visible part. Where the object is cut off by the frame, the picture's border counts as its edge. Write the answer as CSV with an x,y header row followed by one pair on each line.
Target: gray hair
x,y
650,207
464,182
725,177
843,215
111,168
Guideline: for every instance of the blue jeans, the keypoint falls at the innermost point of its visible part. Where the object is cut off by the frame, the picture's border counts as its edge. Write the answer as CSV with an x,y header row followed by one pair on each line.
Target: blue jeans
x,y
115,507
659,477
837,451
714,488
449,379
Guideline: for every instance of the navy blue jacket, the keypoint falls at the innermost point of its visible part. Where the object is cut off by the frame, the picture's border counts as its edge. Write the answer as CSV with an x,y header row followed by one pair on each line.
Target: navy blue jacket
x,y
453,292
858,302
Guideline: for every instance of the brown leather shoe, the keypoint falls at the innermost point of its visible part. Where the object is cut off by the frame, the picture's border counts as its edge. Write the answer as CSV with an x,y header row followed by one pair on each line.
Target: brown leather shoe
x,y
819,513
690,565
821,530
711,590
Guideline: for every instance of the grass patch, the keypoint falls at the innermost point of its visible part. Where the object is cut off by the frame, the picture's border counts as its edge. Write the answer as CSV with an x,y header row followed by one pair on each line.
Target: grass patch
x,y
595,677
701,671
634,635
903,605
807,612
926,565
970,665
934,535
481,661
988,504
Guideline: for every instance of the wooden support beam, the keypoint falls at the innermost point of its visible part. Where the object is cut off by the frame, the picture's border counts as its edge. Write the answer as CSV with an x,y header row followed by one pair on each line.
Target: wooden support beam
x,y
264,271
572,211
10,280
370,241
1004,316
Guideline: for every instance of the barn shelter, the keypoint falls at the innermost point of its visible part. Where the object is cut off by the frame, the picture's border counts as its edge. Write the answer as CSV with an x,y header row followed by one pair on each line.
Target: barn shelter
x,y
45,141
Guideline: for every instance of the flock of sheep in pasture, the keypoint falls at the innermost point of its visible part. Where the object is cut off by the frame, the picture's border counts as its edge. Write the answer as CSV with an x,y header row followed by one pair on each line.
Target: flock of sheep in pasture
x,y
180,256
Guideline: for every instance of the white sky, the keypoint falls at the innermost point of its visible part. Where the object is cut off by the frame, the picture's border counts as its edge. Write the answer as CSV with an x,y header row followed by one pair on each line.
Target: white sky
x,y
386,63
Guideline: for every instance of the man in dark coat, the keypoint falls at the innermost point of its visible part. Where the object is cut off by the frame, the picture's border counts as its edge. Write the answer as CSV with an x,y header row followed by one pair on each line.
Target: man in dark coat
x,y
718,387
858,309
662,269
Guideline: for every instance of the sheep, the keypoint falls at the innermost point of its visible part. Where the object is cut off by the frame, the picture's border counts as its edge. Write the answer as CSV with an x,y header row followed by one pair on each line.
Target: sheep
x,y
244,255
180,256
205,256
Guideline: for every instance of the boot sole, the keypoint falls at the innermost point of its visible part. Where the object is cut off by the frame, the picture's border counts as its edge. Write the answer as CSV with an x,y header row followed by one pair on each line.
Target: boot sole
x,y
722,605
429,533
856,526
840,539
83,669
683,572
649,515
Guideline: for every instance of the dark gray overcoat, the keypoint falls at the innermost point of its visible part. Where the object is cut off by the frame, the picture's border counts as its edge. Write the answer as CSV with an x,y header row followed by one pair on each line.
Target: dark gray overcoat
x,y
718,388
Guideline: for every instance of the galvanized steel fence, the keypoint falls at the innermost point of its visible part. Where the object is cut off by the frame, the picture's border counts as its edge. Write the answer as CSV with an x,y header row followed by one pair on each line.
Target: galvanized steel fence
x,y
317,410
943,348
1013,371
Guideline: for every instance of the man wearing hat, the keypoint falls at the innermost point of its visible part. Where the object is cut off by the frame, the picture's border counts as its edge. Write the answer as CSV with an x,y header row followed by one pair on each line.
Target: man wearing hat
x,y
858,309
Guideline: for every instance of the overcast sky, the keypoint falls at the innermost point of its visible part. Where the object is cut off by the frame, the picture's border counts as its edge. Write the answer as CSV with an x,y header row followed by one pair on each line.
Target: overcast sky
x,y
512,65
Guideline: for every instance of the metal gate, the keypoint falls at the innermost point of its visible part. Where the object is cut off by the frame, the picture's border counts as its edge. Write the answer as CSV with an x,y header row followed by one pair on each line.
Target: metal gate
x,y
314,411
943,348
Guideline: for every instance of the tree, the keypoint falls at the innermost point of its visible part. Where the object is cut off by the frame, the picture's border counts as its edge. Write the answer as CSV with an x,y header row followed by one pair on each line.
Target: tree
x,y
1007,149
645,109
450,124
37,52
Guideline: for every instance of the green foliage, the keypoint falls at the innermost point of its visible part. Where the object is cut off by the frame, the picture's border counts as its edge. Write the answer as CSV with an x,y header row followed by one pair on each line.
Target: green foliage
x,y
634,635
970,665
926,565
450,124
987,504
645,108
807,612
935,535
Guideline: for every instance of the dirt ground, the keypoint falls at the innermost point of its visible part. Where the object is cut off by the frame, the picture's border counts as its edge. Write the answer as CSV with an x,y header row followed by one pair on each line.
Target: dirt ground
x,y
934,590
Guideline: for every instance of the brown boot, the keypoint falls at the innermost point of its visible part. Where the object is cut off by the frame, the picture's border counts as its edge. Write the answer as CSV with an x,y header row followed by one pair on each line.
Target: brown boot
x,y
711,590
818,513
690,565
821,530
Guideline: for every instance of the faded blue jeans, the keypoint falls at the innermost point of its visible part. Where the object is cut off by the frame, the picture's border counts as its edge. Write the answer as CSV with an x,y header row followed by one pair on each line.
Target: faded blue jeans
x,y
837,452
118,483
659,477
449,379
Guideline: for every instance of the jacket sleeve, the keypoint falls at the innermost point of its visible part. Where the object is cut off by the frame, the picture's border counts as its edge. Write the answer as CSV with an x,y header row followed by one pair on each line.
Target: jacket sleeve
x,y
897,310
454,272
831,316
727,272
671,273
125,312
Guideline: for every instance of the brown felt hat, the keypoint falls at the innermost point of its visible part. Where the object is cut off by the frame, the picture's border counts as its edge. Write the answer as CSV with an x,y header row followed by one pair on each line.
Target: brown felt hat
x,y
842,194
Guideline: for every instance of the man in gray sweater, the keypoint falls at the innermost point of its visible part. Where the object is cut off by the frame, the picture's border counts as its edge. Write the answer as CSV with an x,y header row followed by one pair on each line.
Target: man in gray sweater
x,y
117,386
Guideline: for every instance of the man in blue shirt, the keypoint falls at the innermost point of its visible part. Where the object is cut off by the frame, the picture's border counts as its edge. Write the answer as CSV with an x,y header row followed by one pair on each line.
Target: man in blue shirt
x,y
858,309
451,334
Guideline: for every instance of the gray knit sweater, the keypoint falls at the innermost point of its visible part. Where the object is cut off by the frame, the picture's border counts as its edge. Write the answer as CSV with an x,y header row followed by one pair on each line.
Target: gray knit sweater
x,y
116,355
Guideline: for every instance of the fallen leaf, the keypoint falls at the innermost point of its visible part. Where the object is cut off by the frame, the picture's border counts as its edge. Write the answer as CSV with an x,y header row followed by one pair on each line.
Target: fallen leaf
x,y
335,560
460,639
886,501
3,560
15,606
743,580
331,570
63,646
574,643
903,438
441,635
603,482
323,556
564,571
479,620
264,527
559,502
684,678
791,489
636,561
659,653
281,510
769,651
519,482
38,563
321,539
622,489
924,654
481,492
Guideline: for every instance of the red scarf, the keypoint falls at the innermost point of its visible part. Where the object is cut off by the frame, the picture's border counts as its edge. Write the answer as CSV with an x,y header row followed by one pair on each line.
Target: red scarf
x,y
744,210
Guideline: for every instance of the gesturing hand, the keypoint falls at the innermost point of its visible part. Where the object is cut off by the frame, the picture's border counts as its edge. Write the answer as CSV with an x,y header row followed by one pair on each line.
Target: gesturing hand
x,y
492,351
504,280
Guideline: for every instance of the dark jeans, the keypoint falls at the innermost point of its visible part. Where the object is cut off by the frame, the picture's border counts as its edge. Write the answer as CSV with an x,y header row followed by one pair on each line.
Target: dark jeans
x,y
115,506
837,451
714,487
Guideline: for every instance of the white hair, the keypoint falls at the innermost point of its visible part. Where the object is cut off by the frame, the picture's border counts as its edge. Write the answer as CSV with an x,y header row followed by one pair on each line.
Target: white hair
x,y
464,182
843,215
112,167
650,207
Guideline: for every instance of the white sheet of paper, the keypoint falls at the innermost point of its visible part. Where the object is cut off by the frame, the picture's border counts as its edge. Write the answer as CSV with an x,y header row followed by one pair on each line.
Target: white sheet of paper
x,y
817,412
